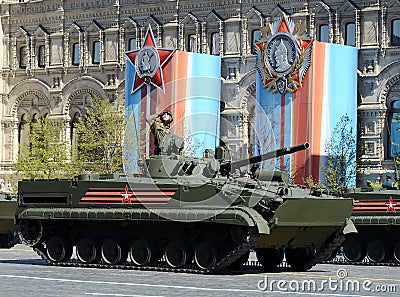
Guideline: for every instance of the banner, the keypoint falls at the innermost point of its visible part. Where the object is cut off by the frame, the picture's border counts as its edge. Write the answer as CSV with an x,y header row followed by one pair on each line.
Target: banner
x,y
325,91
188,84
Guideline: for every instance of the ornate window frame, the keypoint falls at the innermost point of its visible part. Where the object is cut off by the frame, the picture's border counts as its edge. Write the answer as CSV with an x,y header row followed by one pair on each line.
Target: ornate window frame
x,y
74,41
189,31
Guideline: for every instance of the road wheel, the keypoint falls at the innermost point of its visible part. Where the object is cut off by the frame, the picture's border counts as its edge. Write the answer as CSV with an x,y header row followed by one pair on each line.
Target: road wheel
x,y
270,258
143,252
376,251
396,252
178,254
353,251
59,249
298,258
30,232
87,251
206,255
113,252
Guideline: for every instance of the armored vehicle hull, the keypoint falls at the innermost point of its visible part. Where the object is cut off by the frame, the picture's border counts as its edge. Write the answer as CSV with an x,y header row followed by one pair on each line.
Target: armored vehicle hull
x,y
92,217
181,214
377,220
8,231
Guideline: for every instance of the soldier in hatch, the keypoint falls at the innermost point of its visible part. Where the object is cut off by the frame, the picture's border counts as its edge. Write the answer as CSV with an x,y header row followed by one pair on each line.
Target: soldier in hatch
x,y
159,126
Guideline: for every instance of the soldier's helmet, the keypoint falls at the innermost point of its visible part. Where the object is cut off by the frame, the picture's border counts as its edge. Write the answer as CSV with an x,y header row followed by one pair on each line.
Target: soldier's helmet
x,y
169,121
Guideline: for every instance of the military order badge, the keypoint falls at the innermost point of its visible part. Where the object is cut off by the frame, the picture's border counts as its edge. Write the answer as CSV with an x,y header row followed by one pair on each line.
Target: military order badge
x,y
149,61
285,55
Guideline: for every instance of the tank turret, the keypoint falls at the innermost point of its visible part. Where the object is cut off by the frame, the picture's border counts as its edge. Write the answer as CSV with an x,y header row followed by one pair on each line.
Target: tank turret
x,y
170,164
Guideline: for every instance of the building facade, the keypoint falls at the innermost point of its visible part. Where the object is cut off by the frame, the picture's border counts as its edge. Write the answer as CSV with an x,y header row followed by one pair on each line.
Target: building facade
x,y
57,54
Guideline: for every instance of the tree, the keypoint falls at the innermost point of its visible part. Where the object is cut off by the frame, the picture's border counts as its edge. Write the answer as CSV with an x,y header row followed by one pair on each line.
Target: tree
x,y
47,155
100,136
341,166
395,145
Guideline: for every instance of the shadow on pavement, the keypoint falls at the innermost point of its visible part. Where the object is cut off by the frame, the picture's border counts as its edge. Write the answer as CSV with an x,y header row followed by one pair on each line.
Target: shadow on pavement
x,y
25,262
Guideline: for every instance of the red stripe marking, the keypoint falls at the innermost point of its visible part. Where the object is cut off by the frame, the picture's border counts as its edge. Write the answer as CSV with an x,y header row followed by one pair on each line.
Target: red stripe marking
x,y
141,195
168,193
122,189
120,198
370,206
120,202
132,198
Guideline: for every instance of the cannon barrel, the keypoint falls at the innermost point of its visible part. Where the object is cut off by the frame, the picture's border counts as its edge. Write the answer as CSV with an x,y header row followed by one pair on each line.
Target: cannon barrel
x,y
270,155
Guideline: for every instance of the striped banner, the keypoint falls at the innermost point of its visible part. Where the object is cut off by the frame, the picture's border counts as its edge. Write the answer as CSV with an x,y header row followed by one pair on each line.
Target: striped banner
x,y
310,114
192,85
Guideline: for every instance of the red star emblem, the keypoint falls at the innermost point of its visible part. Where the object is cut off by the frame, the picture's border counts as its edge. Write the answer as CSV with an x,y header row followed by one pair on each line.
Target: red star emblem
x,y
391,205
126,196
148,62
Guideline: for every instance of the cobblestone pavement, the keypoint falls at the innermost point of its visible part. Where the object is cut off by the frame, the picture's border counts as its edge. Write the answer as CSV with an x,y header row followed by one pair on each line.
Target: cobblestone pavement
x,y
23,273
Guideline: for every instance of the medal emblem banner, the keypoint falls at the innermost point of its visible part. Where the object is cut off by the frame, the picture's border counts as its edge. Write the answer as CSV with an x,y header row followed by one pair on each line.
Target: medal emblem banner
x,y
309,114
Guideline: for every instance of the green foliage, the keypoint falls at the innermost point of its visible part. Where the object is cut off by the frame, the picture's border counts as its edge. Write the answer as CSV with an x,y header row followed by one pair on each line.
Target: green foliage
x,y
310,182
46,155
100,141
376,184
341,151
100,136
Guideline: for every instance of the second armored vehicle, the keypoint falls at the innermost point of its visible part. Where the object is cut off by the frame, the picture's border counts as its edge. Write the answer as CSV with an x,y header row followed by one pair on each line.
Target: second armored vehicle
x,y
377,220
8,231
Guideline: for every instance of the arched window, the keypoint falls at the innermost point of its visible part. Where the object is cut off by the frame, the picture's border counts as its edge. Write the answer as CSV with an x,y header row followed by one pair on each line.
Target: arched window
x,y
96,52
23,131
41,56
323,33
214,44
35,118
75,54
395,40
73,131
350,34
394,135
255,36
22,57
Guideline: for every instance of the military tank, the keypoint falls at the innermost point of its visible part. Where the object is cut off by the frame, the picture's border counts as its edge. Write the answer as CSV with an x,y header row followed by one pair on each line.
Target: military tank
x,y
377,220
196,215
8,231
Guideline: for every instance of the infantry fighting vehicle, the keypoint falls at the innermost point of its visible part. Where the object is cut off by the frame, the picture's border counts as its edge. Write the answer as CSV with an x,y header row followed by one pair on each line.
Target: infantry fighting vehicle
x,y
377,220
8,231
182,214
